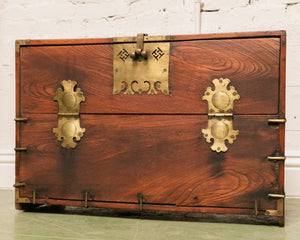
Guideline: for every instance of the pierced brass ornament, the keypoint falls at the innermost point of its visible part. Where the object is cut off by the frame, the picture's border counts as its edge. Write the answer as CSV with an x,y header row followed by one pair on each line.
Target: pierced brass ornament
x,y
220,113
141,65
69,98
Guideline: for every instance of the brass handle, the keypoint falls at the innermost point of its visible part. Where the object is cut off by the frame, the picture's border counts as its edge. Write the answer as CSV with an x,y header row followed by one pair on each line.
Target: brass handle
x,y
220,113
69,100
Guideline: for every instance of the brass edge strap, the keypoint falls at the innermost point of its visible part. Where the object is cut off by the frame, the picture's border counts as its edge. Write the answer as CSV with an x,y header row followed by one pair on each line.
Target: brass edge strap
x,y
20,149
281,120
276,158
146,39
20,119
276,195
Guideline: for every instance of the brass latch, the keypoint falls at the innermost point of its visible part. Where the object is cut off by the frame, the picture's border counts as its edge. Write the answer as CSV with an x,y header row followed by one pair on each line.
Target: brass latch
x,y
141,64
220,113
69,98
139,51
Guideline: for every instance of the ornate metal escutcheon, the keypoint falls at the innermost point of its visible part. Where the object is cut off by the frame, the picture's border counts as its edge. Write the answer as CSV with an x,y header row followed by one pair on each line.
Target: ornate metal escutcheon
x,y
220,113
69,98
141,66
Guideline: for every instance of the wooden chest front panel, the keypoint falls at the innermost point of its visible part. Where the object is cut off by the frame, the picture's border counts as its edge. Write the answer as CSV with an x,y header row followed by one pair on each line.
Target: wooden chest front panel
x,y
153,145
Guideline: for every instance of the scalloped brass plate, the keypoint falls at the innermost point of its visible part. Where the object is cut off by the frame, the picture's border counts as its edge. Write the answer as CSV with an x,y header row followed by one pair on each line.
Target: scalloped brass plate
x,y
69,98
141,75
220,113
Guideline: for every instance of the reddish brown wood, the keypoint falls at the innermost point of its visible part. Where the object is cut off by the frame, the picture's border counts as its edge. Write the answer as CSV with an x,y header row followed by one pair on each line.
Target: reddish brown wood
x,y
153,145
251,65
163,157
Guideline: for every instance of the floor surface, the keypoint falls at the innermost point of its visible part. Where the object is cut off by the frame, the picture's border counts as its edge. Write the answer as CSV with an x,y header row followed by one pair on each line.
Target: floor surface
x,y
19,225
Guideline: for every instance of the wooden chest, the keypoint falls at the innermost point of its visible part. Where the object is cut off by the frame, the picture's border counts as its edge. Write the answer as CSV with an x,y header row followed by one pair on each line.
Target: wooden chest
x,y
189,123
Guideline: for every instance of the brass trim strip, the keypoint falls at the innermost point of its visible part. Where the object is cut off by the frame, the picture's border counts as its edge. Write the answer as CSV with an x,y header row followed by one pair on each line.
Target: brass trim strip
x,y
141,202
282,120
20,149
220,114
276,195
33,197
21,119
68,114
86,200
276,158
255,208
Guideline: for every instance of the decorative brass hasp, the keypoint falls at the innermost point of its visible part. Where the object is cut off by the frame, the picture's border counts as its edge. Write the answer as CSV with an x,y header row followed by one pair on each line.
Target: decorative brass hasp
x,y
142,66
220,113
69,98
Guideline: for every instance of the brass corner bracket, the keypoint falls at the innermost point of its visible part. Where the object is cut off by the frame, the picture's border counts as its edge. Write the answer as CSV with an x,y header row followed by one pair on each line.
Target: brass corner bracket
x,y
280,206
141,66
220,113
19,199
69,98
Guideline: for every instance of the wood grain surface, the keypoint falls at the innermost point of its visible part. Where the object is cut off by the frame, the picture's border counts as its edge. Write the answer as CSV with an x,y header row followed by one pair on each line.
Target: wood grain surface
x,y
251,64
163,157
153,145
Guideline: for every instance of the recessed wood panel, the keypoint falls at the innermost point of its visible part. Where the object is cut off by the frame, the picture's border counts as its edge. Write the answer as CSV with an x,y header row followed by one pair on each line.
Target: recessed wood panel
x,y
251,64
163,157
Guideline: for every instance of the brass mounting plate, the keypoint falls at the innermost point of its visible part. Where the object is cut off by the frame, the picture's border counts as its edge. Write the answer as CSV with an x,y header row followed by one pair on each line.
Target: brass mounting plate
x,y
69,100
220,113
141,75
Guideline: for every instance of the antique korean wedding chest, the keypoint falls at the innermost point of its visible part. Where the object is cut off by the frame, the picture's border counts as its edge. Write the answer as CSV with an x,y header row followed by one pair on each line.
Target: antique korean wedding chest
x,y
191,123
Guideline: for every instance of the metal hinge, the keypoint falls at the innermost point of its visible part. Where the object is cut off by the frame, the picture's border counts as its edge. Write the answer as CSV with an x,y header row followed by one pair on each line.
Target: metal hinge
x,y
220,114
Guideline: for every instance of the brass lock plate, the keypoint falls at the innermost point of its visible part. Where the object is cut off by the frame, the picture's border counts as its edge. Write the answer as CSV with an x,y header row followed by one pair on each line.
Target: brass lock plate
x,y
147,74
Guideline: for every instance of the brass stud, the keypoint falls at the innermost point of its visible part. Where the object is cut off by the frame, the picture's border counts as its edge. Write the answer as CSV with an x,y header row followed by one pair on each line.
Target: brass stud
x,y
21,119
282,120
20,149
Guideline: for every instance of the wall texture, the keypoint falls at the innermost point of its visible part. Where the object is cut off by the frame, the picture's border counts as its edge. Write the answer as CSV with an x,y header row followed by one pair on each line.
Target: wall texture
x,y
45,19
